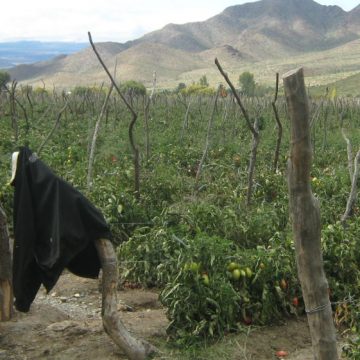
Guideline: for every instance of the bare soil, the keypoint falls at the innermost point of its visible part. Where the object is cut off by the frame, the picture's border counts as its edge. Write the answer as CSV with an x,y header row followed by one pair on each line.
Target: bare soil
x,y
66,324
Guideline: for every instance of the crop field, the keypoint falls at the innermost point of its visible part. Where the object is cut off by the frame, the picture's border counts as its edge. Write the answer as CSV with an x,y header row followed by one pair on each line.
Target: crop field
x,y
222,261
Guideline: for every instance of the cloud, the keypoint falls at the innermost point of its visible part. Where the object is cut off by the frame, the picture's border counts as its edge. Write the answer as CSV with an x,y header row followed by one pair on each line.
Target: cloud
x,y
112,20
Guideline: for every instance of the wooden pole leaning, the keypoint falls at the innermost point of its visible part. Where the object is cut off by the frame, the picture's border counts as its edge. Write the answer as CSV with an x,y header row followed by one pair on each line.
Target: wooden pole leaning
x,y
305,213
134,349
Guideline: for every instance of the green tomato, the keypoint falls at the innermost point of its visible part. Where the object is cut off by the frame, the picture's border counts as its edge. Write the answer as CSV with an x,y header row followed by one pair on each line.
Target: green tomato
x,y
194,267
206,279
248,272
236,274
232,266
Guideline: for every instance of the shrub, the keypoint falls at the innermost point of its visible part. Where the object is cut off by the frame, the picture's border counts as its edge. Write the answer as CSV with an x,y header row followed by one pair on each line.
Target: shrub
x,y
133,88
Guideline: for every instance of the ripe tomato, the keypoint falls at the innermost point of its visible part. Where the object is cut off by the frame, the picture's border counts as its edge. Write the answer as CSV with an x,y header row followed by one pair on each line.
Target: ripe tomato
x,y
295,301
248,320
281,354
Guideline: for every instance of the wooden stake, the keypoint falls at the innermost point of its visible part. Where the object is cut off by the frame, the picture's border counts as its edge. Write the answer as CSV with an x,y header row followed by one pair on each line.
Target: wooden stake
x,y
305,213
134,349
6,294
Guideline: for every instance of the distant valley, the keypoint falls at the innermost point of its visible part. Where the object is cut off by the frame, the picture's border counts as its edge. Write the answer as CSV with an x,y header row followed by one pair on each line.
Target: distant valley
x,y
26,52
263,37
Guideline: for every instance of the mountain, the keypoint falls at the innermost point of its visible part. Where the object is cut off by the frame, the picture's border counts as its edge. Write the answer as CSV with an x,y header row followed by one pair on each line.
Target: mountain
x,y
293,25
265,35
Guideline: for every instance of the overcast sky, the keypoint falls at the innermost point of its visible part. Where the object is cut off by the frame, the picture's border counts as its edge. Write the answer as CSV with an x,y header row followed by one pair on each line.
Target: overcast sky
x,y
112,20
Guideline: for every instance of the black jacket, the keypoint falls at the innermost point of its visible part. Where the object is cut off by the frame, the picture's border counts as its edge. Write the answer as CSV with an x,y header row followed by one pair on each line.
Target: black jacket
x,y
55,227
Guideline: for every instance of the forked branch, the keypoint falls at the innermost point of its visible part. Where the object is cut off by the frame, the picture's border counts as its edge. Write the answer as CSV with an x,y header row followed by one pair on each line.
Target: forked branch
x,y
238,100
253,129
132,123
57,122
278,122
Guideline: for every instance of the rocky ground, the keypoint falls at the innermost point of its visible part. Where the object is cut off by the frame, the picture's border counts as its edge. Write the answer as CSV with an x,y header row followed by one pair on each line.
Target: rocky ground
x,y
66,324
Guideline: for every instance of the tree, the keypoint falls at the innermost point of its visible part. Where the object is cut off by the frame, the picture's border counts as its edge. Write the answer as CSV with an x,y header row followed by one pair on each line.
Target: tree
x,y
247,83
4,78
80,90
133,88
180,87
203,81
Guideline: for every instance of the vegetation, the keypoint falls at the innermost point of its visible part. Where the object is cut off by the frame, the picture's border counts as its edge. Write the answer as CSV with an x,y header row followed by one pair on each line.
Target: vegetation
x,y
203,81
180,87
4,78
133,88
247,83
220,265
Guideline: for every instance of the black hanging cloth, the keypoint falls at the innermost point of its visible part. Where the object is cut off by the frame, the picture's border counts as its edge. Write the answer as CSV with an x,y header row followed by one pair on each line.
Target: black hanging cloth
x,y
55,227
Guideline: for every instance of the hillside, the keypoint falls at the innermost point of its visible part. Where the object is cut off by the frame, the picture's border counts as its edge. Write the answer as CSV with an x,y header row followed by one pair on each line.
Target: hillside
x,y
265,36
343,87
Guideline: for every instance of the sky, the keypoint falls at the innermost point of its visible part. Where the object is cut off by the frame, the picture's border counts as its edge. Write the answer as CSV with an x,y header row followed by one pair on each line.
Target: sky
x,y
108,20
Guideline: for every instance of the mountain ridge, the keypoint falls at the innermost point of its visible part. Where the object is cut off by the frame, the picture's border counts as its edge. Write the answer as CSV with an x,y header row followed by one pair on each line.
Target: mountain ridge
x,y
266,30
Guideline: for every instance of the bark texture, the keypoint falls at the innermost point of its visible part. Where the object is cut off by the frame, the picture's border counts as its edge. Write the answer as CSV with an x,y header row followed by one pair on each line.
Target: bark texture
x,y
305,213
279,125
6,295
134,349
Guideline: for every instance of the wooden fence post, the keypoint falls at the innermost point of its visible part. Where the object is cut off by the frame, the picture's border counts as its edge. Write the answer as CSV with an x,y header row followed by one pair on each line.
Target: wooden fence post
x,y
135,349
305,212
6,294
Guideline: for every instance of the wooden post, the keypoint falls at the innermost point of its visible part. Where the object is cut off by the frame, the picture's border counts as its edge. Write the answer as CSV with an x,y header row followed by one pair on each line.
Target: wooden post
x,y
305,213
6,294
134,349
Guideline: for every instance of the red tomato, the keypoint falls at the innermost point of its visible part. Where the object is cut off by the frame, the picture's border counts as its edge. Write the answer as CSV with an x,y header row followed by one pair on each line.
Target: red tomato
x,y
295,301
248,320
281,354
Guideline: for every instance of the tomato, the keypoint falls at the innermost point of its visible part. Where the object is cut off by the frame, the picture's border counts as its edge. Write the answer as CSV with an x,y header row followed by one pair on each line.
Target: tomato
x,y
283,284
232,266
194,267
281,354
262,266
243,273
237,160
295,301
248,272
236,274
248,320
206,279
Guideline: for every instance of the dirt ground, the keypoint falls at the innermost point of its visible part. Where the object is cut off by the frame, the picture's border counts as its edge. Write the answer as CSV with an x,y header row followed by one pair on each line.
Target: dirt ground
x,y
66,324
